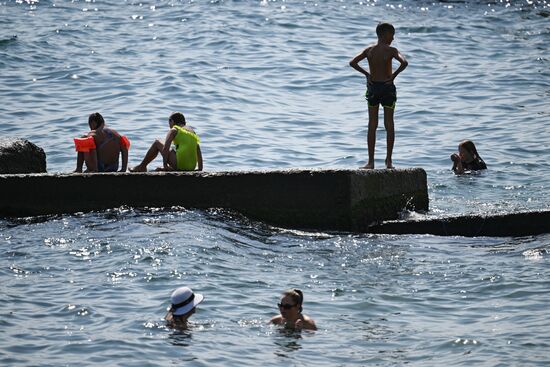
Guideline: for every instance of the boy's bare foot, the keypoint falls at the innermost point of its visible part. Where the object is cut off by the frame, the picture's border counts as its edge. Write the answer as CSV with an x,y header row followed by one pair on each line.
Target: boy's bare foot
x,y
77,170
368,166
138,168
389,165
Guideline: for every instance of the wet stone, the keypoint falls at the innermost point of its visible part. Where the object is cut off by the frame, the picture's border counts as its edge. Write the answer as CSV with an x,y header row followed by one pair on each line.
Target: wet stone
x,y
21,156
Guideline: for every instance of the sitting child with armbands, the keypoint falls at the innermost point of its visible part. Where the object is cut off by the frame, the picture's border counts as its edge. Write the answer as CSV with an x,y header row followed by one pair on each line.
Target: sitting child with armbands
x,y
101,147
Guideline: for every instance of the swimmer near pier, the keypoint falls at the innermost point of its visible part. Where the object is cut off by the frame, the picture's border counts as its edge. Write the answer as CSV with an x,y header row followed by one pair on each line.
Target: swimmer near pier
x,y
339,200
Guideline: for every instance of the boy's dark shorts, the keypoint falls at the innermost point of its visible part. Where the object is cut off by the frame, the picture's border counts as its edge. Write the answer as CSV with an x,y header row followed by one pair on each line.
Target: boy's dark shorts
x,y
381,93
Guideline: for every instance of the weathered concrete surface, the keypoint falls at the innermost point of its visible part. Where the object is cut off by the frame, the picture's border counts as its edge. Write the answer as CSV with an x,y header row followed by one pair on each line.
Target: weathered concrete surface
x,y
21,156
502,225
347,200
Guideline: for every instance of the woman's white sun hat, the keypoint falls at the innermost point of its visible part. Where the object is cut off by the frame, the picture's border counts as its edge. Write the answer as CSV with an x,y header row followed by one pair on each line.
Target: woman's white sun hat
x,y
184,300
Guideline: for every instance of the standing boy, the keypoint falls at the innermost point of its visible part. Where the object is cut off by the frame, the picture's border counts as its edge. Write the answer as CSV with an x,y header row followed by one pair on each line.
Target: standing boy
x,y
380,87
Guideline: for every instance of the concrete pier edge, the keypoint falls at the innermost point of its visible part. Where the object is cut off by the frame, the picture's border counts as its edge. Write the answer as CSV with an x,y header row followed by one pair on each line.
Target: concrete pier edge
x,y
309,199
526,223
319,199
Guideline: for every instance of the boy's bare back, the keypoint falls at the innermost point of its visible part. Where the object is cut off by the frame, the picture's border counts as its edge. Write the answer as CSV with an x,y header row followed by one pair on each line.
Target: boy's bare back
x,y
380,58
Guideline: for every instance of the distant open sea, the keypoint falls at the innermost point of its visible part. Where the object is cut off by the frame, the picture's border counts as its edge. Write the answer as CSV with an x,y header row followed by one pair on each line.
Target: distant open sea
x,y
266,84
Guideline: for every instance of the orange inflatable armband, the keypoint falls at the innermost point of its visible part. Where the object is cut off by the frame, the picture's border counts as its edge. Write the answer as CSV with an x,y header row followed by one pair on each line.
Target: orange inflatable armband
x,y
84,145
124,142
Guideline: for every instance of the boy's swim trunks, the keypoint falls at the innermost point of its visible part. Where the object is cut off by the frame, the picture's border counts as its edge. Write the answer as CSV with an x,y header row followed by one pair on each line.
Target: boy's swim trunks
x,y
381,93
102,167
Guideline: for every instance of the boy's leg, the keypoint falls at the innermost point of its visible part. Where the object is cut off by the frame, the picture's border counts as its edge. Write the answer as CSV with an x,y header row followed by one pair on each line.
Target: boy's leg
x,y
80,158
390,135
172,159
151,154
371,138
91,160
79,161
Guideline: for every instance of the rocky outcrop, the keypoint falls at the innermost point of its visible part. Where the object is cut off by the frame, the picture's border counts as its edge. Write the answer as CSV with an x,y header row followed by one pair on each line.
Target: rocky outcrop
x,y
21,156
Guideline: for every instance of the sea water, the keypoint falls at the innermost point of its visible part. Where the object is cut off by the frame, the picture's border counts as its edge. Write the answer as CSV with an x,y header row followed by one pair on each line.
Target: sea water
x,y
266,84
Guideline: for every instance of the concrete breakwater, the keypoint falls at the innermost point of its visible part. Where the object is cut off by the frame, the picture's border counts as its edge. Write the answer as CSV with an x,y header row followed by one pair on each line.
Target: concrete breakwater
x,y
342,200
496,225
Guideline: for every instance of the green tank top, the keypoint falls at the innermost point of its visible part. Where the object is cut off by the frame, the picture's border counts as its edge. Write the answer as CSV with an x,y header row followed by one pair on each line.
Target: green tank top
x,y
186,149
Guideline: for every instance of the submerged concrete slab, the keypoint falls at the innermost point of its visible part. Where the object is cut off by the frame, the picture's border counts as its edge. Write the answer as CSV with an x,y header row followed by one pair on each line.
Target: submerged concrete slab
x,y
347,200
499,225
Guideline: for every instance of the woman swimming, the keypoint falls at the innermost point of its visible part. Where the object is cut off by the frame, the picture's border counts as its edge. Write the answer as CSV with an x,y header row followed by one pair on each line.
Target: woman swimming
x,y
467,158
183,305
291,316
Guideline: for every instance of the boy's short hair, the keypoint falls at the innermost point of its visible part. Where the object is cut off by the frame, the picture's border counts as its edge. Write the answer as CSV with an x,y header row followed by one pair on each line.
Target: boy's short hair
x,y
97,118
178,118
383,28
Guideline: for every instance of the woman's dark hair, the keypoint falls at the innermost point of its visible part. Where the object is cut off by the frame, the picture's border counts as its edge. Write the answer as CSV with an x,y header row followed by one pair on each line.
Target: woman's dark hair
x,y
470,147
296,295
97,119
185,315
178,118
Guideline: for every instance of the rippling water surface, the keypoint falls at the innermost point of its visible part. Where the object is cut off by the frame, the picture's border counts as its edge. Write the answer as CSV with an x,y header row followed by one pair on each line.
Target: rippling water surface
x,y
92,289
267,85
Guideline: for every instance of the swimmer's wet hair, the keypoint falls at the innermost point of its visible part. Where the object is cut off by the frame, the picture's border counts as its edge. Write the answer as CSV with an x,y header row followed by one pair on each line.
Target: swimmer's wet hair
x,y
470,147
178,118
96,118
383,28
296,295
